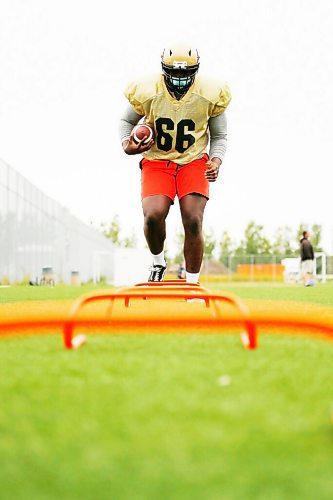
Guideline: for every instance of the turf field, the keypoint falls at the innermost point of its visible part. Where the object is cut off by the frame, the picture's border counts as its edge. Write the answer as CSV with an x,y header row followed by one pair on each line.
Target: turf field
x,y
167,416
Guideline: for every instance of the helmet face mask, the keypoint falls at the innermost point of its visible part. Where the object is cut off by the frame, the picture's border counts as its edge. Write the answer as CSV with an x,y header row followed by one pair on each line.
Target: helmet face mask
x,y
179,67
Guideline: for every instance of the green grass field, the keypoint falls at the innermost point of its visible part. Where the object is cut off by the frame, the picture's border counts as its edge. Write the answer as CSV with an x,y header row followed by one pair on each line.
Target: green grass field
x,y
167,416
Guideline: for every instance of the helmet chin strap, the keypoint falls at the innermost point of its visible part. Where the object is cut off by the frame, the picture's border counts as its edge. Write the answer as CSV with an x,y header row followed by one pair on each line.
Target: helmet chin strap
x,y
178,95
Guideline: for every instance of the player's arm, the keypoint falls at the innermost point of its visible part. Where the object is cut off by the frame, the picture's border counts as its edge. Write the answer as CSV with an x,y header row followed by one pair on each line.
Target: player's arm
x,y
218,144
127,122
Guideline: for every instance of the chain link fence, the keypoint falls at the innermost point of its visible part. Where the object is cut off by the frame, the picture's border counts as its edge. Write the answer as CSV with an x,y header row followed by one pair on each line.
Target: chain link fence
x,y
262,268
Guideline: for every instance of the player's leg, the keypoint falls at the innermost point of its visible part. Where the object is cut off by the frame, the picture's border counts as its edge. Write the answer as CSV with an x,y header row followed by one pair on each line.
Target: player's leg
x,y
158,190
155,211
192,207
193,193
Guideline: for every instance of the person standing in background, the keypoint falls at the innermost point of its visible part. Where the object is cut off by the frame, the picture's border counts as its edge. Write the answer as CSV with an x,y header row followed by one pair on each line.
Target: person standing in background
x,y
307,260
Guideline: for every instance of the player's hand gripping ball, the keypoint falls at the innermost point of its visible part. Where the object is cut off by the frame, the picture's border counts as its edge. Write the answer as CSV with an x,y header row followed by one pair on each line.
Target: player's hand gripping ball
x,y
141,132
141,140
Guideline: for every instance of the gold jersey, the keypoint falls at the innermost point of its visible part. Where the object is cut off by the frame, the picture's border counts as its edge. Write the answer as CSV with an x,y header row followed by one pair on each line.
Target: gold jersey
x,y
181,127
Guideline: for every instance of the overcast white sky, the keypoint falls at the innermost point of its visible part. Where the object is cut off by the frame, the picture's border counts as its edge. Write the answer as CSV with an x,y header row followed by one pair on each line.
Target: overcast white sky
x,y
63,68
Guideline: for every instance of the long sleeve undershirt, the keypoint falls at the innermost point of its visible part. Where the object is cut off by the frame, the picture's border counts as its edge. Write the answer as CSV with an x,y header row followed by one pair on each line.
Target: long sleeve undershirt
x,y
217,131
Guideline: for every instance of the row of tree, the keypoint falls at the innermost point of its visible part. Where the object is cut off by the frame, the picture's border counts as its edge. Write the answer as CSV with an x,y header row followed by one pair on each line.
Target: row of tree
x,y
254,242
112,231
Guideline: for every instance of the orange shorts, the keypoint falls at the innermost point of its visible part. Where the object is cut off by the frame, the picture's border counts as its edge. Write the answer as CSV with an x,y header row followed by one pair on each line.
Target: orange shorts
x,y
170,179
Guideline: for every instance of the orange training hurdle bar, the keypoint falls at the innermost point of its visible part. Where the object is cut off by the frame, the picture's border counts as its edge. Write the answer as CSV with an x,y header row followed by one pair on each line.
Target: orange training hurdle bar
x,y
29,323
305,324
165,291
169,282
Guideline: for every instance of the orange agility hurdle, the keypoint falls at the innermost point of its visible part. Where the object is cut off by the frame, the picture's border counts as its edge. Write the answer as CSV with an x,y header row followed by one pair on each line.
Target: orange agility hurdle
x,y
303,326
208,317
165,290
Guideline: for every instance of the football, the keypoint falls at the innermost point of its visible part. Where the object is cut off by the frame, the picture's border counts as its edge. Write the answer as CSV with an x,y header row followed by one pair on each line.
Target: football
x,y
142,132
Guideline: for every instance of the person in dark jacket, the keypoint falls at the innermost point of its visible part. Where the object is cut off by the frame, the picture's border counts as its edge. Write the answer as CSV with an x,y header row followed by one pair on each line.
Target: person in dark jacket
x,y
307,260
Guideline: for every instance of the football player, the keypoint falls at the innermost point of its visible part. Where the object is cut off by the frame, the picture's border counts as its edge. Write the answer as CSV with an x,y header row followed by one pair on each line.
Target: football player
x,y
186,112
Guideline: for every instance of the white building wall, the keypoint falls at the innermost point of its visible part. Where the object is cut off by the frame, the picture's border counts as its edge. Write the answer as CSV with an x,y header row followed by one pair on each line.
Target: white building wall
x,y
37,232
